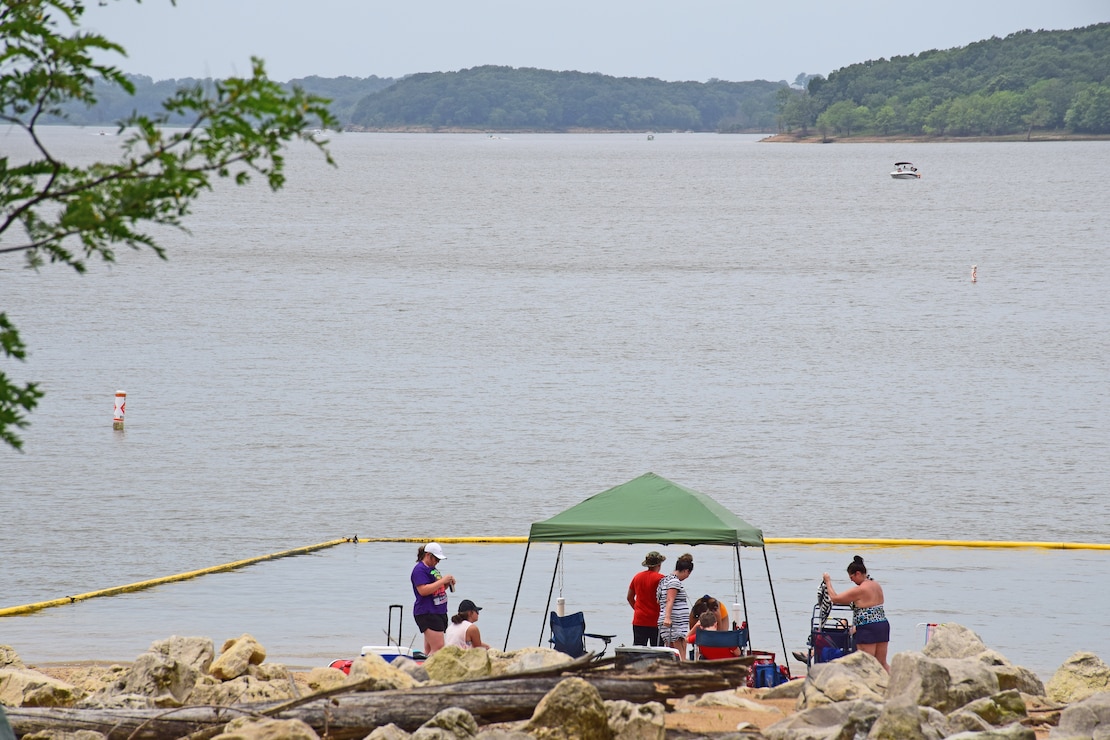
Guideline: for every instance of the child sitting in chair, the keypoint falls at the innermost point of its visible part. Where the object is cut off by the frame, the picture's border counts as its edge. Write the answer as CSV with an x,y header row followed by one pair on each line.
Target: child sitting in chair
x,y
708,621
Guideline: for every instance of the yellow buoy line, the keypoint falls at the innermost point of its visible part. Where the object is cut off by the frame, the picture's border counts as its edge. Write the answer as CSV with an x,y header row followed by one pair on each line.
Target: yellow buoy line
x,y
132,587
877,542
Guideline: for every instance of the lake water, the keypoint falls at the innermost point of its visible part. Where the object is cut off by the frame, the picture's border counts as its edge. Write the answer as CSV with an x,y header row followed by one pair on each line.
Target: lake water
x,y
458,335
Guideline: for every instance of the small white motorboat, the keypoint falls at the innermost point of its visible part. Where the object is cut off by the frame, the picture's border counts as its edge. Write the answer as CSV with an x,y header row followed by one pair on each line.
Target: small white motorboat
x,y
905,171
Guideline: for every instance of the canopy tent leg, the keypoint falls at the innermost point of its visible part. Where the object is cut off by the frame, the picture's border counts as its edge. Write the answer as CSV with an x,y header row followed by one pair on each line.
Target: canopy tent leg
x,y
558,559
743,594
778,620
516,598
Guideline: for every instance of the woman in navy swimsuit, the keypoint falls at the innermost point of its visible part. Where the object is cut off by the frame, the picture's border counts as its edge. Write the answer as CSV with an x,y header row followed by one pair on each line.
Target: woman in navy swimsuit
x,y
866,597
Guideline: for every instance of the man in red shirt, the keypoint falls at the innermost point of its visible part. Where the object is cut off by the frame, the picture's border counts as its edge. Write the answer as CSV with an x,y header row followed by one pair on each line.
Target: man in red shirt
x,y
645,607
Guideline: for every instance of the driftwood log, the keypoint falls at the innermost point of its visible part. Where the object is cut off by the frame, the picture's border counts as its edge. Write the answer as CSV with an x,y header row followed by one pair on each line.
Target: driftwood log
x,y
349,713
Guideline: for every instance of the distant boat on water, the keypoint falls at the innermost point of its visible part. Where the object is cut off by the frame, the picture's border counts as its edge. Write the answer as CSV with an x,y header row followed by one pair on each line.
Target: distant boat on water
x,y
905,171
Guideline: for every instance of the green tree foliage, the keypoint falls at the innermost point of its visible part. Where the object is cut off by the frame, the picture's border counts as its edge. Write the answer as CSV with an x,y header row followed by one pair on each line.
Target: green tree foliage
x,y
114,103
796,109
1091,110
994,87
237,128
844,117
500,98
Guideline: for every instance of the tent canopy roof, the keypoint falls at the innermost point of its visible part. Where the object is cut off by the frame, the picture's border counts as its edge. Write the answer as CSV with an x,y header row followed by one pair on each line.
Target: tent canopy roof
x,y
652,510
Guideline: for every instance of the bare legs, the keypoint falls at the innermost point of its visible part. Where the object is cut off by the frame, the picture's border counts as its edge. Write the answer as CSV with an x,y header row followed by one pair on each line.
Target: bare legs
x,y
680,646
877,650
432,641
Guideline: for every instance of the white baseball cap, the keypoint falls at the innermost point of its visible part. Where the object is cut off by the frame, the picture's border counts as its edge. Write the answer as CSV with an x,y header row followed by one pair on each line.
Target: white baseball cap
x,y
435,549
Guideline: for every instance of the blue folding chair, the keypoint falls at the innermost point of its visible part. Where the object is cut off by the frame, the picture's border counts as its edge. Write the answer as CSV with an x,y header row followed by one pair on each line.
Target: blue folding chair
x,y
719,644
568,635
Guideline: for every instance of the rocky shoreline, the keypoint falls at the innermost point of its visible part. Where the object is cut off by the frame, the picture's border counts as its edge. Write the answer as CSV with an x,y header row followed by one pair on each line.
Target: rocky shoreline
x,y
956,687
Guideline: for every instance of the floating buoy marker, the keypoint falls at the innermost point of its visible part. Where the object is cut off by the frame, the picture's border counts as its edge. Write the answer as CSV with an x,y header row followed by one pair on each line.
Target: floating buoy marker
x,y
973,269
117,413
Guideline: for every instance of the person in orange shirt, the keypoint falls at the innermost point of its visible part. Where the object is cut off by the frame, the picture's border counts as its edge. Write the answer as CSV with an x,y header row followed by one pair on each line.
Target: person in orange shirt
x,y
642,599
708,604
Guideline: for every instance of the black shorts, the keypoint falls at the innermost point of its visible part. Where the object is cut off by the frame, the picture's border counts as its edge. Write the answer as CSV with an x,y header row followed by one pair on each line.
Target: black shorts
x,y
875,632
645,635
433,622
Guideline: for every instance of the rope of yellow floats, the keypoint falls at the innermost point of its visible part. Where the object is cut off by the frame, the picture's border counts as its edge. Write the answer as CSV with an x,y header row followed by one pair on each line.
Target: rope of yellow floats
x,y
874,542
871,542
141,585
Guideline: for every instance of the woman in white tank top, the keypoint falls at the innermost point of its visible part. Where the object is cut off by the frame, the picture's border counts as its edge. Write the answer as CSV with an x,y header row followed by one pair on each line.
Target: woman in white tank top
x,y
462,632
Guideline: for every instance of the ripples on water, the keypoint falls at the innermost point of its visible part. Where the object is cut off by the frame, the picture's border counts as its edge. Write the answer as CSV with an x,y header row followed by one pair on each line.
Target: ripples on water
x,y
462,335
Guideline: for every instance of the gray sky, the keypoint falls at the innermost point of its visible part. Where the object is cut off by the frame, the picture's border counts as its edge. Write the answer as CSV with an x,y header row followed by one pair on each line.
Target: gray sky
x,y
734,40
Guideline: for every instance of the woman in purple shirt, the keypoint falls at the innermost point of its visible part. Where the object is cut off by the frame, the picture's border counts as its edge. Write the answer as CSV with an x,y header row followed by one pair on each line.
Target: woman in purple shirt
x,y
430,587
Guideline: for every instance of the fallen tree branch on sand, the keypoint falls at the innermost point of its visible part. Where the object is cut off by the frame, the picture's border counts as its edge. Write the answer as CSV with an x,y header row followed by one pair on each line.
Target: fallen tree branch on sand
x,y
348,713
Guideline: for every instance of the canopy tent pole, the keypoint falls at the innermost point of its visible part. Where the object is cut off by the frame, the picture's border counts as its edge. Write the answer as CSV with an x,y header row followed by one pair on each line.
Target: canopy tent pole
x,y
516,598
743,594
558,558
771,584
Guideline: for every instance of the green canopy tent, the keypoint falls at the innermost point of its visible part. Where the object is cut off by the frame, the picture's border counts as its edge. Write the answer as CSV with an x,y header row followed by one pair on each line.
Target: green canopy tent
x,y
648,510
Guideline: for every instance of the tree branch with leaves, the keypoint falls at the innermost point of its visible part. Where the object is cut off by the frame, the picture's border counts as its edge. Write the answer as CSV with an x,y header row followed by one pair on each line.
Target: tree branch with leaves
x,y
54,211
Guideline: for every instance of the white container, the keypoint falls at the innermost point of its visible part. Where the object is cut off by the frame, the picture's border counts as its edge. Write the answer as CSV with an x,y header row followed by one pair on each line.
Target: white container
x,y
389,652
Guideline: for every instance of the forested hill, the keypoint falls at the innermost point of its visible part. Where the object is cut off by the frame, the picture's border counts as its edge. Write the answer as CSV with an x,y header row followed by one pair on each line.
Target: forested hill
x,y
506,98
1043,80
1046,81
114,104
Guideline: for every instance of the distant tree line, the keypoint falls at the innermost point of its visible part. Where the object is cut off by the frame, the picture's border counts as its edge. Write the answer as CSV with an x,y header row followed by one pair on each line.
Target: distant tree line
x,y
1043,80
1048,80
114,104
506,98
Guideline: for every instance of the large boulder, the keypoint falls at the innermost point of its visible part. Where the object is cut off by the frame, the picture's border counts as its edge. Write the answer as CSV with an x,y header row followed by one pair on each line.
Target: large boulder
x,y
1086,719
853,677
411,667
900,720
252,728
324,678
92,679
630,721
954,641
945,684
951,640
525,660
388,732
573,710
379,675
195,652
451,664
242,690
1016,678
846,719
792,689
1082,675
1003,708
449,724
22,687
236,656
9,658
1010,732
160,678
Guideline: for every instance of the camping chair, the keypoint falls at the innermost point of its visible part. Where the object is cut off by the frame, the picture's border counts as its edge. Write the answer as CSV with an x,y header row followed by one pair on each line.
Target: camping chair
x,y
568,635
830,634
718,645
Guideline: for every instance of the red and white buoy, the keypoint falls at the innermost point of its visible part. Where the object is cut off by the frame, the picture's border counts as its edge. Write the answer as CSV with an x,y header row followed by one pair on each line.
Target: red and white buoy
x,y
973,276
117,413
